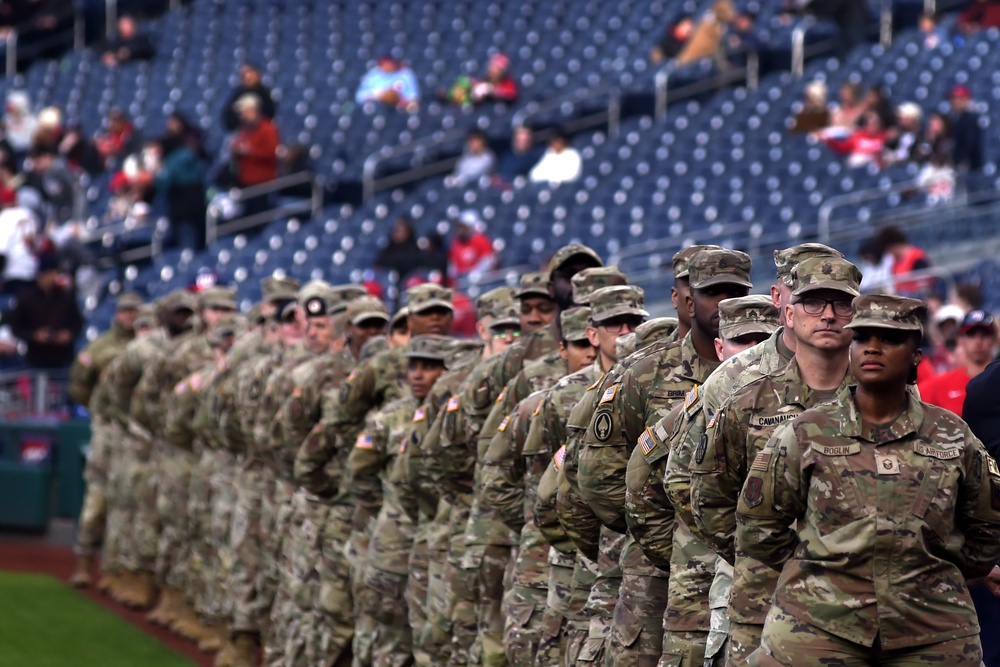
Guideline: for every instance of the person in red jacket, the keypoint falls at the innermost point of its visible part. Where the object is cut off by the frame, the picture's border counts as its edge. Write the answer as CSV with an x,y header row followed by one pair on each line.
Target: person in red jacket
x,y
976,340
906,258
255,145
865,145
471,251
980,15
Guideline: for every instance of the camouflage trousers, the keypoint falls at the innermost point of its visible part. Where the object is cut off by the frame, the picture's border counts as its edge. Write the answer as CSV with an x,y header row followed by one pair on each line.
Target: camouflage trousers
x,y
364,599
215,601
247,546
435,638
133,524
788,641
198,527
491,563
744,639
418,567
637,629
717,643
585,573
392,645
523,611
280,516
333,628
93,515
173,554
557,608
462,592
683,649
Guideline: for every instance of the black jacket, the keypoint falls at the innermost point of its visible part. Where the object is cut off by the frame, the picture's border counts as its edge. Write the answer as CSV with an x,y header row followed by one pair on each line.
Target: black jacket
x,y
54,310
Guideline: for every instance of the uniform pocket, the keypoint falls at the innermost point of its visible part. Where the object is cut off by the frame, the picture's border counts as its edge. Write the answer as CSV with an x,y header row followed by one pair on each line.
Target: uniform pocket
x,y
592,651
521,613
627,626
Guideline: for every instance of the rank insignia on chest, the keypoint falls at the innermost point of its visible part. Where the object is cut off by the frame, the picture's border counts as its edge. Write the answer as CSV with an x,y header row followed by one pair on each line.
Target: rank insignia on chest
x,y
609,394
887,464
646,442
364,441
454,403
991,465
420,414
560,457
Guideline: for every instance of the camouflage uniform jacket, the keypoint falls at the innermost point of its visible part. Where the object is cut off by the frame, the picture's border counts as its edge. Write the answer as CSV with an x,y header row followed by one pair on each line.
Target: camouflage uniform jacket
x,y
113,397
279,386
93,359
518,356
180,428
177,359
736,433
878,529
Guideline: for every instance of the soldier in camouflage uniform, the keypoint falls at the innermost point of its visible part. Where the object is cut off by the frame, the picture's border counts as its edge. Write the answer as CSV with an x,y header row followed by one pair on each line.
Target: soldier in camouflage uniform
x,y
650,515
398,507
371,385
822,288
878,509
646,392
83,379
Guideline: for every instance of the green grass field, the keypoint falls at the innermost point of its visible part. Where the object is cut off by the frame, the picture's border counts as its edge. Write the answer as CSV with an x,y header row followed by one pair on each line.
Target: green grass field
x,y
45,624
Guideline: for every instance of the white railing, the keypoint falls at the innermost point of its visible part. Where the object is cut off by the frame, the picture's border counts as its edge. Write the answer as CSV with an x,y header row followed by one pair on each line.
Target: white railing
x,y
312,204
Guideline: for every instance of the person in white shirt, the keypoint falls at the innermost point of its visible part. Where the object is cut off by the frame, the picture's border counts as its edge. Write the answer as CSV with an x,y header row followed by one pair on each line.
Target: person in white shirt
x,y
559,164
18,233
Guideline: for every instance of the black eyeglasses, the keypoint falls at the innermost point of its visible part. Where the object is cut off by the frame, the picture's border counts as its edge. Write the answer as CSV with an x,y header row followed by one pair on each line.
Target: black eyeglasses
x,y
816,306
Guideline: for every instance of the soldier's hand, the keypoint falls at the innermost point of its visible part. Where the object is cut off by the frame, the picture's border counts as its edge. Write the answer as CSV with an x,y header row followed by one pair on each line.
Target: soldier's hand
x,y
992,581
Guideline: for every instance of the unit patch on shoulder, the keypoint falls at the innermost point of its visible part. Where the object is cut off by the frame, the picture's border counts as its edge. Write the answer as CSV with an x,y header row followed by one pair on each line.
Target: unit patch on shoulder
x,y
503,425
762,462
608,395
691,398
753,491
454,403
560,457
364,441
646,442
603,426
420,414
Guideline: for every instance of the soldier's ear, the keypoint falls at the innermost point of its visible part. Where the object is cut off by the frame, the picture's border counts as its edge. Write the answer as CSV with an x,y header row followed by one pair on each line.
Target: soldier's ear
x,y
689,304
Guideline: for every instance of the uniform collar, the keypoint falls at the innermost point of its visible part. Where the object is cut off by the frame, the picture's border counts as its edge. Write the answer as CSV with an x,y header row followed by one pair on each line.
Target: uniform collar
x,y
852,425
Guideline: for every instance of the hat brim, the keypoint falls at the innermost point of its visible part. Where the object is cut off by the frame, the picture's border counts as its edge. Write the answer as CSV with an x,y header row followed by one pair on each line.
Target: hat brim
x,y
532,291
425,356
722,279
222,305
433,303
833,285
865,323
589,254
575,336
619,312
746,329
128,305
988,326
369,315
505,322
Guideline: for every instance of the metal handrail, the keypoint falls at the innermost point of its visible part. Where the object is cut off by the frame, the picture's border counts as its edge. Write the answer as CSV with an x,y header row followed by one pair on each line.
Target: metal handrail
x,y
370,185
800,51
10,44
799,45
827,207
612,115
110,18
314,204
661,82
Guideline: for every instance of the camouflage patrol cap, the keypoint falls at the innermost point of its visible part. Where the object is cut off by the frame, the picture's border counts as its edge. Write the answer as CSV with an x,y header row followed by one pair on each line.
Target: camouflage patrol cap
x,y
340,296
128,301
610,302
429,346
462,352
218,298
786,259
275,288
426,296
588,281
535,283
832,273
654,329
682,258
229,325
625,345
399,318
571,251
881,311
754,314
312,296
366,308
179,299
719,267
145,317
574,323
495,303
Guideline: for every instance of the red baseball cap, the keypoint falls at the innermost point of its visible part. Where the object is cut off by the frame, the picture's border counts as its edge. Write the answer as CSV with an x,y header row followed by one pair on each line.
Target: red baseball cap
x,y
961,91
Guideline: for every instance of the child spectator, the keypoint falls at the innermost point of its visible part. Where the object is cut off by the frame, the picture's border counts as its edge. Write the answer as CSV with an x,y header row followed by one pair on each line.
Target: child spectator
x,y
934,35
497,86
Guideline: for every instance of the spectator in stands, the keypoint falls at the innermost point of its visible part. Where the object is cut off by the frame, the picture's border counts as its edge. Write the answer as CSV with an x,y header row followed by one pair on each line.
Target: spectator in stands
x,y
906,258
903,139
934,35
674,39
976,342
523,154
935,141
814,115
471,251
133,183
18,236
877,101
937,178
979,15
49,176
876,268
255,146
968,135
865,145
79,152
476,162
19,123
179,126
46,318
401,253
391,83
741,39
250,83
968,296
559,164
180,180
50,131
435,257
943,336
497,86
119,139
845,115
128,45
707,38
